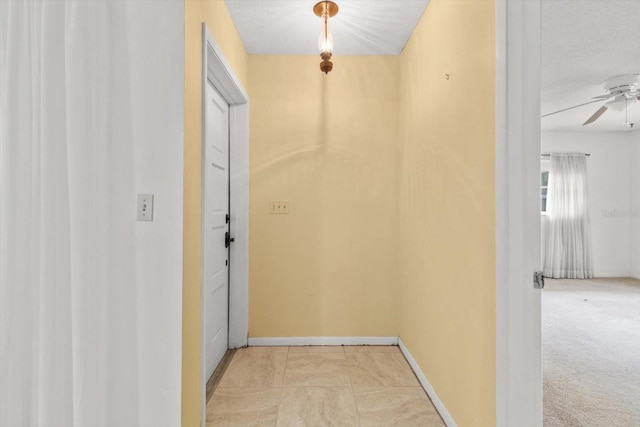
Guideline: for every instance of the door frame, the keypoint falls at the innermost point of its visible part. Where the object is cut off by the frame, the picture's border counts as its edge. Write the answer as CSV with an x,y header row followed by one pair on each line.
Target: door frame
x,y
518,304
216,69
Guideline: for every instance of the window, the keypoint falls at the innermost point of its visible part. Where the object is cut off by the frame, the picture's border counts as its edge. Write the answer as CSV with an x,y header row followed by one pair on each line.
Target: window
x,y
544,182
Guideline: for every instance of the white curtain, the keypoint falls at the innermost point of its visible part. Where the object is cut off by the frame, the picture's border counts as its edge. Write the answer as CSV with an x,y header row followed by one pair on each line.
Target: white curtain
x,y
567,251
80,307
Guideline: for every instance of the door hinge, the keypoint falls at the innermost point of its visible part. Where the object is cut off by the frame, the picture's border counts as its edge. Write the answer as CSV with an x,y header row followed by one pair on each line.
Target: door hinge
x,y
538,280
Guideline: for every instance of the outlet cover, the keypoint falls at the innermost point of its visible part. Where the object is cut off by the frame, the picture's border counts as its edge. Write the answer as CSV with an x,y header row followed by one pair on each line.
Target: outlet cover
x,y
278,206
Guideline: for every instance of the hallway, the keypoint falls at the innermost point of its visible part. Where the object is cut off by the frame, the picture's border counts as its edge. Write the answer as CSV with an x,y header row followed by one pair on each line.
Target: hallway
x,y
376,204
320,386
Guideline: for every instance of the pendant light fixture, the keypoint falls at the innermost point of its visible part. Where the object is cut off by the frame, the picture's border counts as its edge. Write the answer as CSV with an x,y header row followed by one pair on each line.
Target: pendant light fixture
x,y
325,10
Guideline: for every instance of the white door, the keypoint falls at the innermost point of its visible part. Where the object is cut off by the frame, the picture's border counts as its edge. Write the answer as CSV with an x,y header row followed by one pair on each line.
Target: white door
x,y
215,227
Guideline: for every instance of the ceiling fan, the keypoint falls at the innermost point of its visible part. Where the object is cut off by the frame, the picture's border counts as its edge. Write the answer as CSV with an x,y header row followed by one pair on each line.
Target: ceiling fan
x,y
620,91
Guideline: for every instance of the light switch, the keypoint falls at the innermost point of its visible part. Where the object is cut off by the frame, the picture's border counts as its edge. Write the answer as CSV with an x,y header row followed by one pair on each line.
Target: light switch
x,y
145,207
278,206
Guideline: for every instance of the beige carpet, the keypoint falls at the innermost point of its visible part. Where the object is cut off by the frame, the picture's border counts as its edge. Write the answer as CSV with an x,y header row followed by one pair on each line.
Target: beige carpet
x,y
591,352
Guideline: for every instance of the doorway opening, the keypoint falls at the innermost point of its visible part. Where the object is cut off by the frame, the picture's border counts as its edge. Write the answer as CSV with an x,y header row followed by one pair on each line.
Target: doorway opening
x,y
590,236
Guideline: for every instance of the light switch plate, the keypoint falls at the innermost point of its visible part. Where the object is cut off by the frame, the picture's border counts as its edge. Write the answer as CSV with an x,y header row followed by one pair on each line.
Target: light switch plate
x,y
145,207
278,206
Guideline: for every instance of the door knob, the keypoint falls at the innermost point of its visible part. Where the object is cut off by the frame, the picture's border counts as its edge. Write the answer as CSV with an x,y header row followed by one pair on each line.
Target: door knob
x,y
228,239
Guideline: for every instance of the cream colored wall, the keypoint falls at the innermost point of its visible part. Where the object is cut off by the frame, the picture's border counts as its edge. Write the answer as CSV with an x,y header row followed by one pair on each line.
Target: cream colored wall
x,y
328,144
388,169
447,199
216,15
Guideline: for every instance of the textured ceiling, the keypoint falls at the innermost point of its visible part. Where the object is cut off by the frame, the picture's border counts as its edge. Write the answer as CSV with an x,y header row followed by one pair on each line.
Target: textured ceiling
x,y
583,43
361,27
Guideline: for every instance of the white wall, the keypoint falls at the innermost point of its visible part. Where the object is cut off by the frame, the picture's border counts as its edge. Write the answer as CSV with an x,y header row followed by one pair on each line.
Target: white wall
x,y
634,218
610,178
91,114
156,51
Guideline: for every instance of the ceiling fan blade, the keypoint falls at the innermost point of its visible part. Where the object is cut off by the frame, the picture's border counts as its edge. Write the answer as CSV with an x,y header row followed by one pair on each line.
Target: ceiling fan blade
x,y
600,97
570,108
596,115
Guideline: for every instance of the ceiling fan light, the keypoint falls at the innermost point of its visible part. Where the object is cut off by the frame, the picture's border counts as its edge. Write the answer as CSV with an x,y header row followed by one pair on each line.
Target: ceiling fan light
x,y
618,103
620,92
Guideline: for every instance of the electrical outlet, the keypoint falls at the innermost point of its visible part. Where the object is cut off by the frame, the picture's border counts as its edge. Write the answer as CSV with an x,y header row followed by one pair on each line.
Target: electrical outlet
x,y
278,206
145,207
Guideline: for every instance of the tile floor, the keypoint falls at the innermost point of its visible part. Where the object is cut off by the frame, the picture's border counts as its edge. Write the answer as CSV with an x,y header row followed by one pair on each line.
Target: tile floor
x,y
320,386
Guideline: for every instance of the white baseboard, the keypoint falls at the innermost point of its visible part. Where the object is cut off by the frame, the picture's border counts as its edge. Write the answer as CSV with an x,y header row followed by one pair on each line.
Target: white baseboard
x,y
300,341
446,416
609,275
